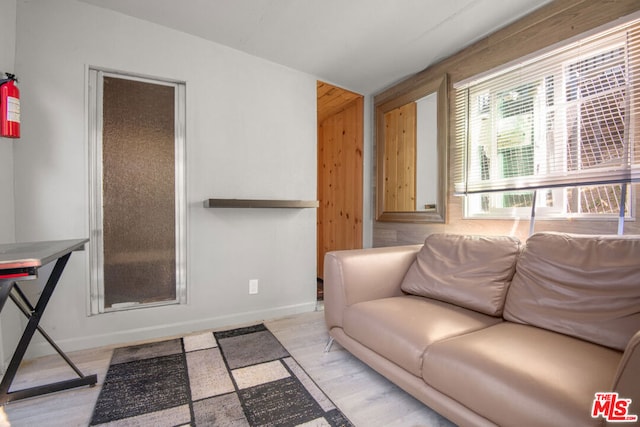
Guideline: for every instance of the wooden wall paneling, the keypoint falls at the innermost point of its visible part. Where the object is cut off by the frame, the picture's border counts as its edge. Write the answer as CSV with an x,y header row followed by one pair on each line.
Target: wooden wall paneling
x,y
355,151
332,99
337,182
390,170
348,192
327,185
403,188
321,199
340,146
332,189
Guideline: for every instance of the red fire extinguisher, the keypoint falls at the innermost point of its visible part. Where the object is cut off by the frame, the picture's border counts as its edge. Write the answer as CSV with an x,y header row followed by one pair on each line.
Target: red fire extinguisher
x,y
9,107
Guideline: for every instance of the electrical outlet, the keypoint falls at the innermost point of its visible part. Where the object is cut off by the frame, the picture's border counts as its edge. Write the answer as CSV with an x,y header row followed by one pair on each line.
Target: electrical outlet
x,y
253,286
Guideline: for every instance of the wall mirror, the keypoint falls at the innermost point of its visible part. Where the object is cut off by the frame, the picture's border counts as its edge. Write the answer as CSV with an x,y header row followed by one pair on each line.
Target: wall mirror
x,y
411,141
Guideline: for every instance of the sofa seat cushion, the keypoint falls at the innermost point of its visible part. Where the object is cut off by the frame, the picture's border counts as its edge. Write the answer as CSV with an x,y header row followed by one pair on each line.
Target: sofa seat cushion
x,y
469,271
518,375
401,328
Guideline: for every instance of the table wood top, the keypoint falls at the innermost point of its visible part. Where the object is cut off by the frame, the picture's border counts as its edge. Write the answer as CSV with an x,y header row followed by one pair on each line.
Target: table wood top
x,y
36,254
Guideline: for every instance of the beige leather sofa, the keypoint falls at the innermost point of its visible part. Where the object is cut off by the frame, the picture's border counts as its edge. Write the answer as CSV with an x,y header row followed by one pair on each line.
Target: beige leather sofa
x,y
488,331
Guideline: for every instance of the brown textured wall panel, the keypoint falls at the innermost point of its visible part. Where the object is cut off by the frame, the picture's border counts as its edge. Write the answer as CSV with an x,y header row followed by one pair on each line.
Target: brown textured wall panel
x,y
138,192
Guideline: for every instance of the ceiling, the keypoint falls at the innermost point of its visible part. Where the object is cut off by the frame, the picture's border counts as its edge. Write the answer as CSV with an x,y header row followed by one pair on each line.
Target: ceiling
x,y
361,45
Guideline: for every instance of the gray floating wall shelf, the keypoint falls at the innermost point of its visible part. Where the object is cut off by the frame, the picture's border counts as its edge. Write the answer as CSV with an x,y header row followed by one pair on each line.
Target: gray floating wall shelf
x,y
252,203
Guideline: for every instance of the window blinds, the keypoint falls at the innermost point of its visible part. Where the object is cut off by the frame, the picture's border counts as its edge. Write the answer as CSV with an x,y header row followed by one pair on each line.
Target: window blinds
x,y
564,118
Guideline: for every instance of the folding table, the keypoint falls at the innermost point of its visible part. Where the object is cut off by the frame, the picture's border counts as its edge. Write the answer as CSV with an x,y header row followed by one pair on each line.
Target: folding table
x,y
22,261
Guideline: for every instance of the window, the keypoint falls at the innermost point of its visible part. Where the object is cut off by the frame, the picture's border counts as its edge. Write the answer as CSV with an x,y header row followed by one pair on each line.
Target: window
x,y
556,130
137,191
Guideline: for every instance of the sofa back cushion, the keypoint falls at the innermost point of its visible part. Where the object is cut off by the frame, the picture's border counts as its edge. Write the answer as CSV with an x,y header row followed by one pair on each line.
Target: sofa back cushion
x,y
470,271
579,285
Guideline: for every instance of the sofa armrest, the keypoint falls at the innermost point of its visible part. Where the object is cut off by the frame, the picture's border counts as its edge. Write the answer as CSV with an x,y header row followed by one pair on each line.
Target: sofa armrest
x,y
358,275
627,379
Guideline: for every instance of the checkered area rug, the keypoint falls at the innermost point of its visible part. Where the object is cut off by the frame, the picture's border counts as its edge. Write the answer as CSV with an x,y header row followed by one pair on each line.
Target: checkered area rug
x,y
240,377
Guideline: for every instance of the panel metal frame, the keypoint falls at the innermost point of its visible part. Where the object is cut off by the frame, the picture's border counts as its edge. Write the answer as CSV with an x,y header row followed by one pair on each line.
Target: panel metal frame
x,y
95,76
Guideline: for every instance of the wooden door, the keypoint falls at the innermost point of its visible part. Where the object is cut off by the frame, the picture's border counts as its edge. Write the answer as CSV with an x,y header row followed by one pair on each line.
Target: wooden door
x,y
340,147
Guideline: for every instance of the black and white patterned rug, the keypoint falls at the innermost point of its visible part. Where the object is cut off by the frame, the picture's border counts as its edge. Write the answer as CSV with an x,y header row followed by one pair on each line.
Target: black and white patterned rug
x,y
240,377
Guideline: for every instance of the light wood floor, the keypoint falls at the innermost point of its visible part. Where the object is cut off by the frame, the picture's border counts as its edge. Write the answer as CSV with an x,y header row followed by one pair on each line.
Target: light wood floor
x,y
365,397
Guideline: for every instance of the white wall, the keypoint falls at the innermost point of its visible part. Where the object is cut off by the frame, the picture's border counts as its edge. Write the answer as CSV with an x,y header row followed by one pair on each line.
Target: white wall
x,y
10,319
7,59
251,133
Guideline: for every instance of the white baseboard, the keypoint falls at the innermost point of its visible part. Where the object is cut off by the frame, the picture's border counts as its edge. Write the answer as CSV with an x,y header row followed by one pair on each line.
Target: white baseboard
x,y
42,348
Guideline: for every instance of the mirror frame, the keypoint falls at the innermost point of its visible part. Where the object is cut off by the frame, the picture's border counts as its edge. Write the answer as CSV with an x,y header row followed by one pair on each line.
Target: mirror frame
x,y
441,86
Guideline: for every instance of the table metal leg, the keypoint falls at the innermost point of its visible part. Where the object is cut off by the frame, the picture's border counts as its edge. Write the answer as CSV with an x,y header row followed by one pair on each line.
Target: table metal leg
x,y
32,326
23,300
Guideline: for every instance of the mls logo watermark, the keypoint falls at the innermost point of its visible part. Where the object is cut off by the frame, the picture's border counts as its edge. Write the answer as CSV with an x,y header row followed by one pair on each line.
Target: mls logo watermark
x,y
612,408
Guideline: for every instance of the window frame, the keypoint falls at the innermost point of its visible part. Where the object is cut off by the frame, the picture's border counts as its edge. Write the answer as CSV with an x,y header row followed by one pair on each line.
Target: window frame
x,y
472,209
